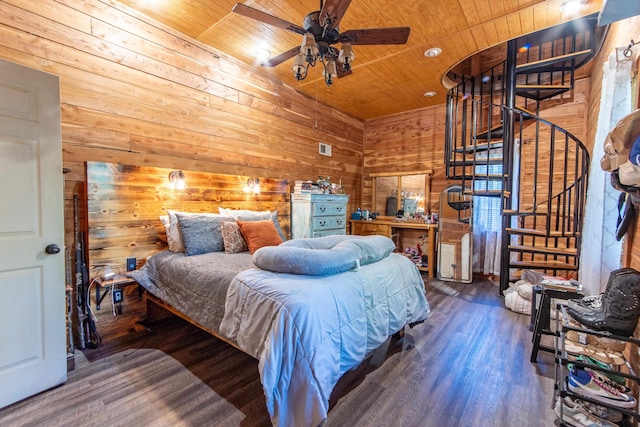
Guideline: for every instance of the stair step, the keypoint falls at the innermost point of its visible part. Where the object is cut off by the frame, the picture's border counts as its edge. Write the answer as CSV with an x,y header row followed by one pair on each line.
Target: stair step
x,y
513,212
487,177
487,193
542,87
544,250
496,132
477,162
544,265
539,66
479,147
540,92
533,232
460,205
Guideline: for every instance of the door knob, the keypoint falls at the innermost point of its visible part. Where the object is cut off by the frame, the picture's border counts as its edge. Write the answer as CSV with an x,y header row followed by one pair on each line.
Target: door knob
x,y
52,249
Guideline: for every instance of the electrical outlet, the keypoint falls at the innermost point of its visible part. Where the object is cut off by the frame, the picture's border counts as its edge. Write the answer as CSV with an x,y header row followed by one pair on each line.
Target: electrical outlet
x,y
131,264
117,295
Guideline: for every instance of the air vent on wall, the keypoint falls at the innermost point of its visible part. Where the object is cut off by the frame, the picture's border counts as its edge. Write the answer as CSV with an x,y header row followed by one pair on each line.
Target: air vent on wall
x,y
324,149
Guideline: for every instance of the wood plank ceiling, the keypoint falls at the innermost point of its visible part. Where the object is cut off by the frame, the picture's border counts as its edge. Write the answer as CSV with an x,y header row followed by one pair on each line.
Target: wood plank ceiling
x,y
386,79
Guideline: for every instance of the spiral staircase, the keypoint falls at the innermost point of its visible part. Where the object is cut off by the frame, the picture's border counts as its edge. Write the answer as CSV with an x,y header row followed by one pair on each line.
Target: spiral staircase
x,y
497,146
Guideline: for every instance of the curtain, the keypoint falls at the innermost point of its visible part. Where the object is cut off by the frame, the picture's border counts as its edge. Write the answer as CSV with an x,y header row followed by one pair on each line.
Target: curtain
x,y
487,223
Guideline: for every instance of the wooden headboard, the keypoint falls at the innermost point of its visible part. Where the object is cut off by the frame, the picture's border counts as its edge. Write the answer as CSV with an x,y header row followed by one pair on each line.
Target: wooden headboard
x,y
124,204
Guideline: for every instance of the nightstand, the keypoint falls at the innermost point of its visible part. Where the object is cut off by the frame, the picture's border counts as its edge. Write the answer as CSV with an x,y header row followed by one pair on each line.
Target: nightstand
x,y
117,282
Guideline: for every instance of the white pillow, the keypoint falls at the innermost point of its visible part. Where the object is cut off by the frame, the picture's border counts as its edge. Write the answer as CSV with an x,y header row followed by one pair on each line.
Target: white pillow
x,y
235,213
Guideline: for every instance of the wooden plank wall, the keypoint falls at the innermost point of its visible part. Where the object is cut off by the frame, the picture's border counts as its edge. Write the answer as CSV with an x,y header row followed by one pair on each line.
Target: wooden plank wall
x,y
135,92
125,203
412,141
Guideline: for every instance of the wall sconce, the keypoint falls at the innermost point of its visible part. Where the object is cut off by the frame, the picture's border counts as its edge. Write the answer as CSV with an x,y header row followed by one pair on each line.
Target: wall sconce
x,y
253,186
177,180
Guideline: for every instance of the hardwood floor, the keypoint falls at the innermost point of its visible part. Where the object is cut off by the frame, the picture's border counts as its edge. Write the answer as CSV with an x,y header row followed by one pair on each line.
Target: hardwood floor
x,y
469,366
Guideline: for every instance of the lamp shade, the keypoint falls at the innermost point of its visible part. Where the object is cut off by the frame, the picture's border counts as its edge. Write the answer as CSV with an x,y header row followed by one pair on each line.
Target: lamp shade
x,y
346,55
330,71
309,48
299,67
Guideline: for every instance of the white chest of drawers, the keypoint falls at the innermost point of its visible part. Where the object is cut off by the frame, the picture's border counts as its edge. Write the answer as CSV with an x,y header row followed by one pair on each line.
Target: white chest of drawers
x,y
317,215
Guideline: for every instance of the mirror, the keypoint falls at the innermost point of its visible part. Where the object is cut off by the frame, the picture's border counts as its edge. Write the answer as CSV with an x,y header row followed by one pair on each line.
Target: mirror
x,y
401,191
455,235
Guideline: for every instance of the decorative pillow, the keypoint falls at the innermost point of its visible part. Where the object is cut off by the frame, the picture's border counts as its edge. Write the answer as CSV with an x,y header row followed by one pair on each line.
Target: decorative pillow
x,y
233,240
261,216
174,239
258,234
201,233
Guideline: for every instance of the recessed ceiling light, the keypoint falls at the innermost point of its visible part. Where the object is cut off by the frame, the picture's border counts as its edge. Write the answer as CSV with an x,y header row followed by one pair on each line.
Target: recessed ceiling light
x,y
429,94
262,54
434,51
571,6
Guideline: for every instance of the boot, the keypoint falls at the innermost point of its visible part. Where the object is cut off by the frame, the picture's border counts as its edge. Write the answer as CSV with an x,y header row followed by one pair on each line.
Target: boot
x,y
588,304
620,305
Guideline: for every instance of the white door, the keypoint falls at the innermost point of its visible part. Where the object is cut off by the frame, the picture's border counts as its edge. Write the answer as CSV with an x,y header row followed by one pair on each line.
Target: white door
x,y
32,281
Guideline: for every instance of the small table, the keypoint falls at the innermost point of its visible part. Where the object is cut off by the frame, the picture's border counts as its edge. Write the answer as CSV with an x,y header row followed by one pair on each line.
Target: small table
x,y
397,229
116,282
542,325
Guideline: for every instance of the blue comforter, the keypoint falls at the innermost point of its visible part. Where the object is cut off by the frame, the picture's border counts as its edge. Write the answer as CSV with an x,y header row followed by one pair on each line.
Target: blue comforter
x,y
307,331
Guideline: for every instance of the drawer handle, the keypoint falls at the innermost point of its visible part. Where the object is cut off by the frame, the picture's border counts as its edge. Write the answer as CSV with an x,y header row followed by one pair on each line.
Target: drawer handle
x,y
339,221
323,208
339,208
322,223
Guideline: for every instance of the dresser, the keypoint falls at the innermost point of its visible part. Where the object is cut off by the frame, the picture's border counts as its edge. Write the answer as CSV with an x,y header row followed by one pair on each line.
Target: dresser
x,y
317,215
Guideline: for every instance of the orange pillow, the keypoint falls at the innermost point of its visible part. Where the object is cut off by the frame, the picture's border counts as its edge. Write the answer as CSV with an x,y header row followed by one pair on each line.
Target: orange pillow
x,y
259,233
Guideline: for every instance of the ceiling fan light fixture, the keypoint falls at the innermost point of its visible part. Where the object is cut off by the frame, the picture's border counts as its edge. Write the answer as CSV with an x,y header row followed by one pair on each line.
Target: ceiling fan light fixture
x,y
309,48
346,56
299,67
330,72
429,94
433,52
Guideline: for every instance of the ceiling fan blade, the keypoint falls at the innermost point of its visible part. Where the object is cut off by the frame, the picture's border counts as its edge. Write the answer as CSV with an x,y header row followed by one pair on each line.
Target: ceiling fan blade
x,y
264,17
342,72
334,10
390,35
277,60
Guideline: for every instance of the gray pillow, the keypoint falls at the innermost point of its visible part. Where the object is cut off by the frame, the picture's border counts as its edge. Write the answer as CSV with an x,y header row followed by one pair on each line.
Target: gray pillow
x,y
202,233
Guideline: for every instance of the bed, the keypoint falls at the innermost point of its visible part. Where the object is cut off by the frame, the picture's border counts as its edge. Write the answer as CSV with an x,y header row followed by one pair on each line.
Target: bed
x,y
308,310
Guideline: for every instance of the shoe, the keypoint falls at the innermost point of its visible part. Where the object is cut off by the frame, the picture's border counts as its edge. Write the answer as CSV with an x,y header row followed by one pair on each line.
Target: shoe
x,y
594,385
576,414
620,308
603,412
605,366
606,356
591,302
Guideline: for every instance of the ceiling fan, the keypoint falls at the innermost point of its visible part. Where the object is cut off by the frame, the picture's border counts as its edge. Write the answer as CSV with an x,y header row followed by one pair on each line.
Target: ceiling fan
x,y
320,31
